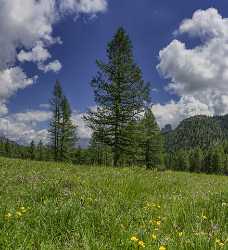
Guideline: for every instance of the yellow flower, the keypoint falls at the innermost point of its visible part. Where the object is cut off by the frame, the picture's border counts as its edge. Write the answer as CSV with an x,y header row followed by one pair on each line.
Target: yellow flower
x,y
158,206
23,209
18,213
141,244
8,215
156,229
221,244
204,217
154,237
180,234
135,239
158,222
162,248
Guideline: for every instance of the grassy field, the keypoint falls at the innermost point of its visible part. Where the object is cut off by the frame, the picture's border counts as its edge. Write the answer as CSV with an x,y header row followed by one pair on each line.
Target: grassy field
x,y
56,206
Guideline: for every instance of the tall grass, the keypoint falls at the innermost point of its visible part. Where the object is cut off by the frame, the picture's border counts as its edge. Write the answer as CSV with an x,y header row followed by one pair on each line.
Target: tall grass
x,y
52,206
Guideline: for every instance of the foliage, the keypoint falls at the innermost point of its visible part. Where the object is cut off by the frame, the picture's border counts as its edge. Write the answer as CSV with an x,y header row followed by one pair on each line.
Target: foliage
x,y
62,132
62,206
120,94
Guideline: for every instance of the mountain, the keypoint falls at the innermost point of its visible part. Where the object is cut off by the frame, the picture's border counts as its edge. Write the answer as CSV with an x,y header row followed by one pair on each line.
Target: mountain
x,y
198,131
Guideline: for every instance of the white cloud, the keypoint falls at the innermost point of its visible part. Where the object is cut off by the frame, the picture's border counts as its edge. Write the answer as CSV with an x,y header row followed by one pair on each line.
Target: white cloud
x,y
37,54
82,128
24,127
175,112
27,26
54,66
11,80
198,75
83,6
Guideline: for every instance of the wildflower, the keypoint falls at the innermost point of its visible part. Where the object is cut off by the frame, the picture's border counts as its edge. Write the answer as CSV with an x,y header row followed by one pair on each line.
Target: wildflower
x,y
154,237
135,239
141,244
221,244
204,217
8,215
180,234
156,229
162,248
158,222
23,209
18,213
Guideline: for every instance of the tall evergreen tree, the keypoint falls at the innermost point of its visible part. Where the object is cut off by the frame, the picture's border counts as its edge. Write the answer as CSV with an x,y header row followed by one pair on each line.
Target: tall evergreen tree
x,y
120,94
196,160
54,130
62,131
67,132
32,150
151,141
40,151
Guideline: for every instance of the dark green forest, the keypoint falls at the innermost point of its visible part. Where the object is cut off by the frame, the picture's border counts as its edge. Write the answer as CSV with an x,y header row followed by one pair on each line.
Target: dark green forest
x,y
124,129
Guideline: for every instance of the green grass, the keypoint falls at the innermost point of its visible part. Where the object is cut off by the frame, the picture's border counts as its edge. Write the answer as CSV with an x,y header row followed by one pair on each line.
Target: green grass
x,y
80,207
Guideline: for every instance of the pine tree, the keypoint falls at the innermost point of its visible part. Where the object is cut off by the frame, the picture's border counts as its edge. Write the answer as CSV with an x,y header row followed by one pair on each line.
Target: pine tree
x,y
182,163
40,151
218,160
120,94
196,160
62,131
32,150
54,130
152,144
67,132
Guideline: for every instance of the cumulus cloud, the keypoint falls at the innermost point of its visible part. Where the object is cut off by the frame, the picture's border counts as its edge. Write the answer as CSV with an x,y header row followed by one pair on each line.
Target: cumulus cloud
x,y
198,75
24,127
54,66
83,6
37,54
11,80
83,130
26,28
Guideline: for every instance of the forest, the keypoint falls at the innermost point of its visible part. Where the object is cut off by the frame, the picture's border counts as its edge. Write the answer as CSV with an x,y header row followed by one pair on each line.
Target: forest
x,y
124,129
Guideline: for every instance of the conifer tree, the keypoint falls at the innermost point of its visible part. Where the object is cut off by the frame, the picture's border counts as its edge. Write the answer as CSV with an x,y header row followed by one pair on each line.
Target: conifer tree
x,y
32,150
196,160
182,161
62,131
151,143
40,151
120,94
54,130
67,132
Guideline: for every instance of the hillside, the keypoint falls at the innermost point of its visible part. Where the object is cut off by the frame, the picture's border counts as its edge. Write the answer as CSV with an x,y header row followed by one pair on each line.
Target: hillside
x,y
56,206
198,131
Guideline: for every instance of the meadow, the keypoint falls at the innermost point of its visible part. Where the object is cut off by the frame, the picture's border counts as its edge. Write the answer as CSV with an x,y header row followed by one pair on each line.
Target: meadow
x,y
52,206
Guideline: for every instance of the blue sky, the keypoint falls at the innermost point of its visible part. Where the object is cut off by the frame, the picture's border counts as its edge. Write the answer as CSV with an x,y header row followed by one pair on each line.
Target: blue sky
x,y
85,30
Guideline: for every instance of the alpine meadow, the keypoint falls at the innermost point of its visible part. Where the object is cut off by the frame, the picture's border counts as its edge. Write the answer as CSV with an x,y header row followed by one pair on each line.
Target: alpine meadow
x,y
122,141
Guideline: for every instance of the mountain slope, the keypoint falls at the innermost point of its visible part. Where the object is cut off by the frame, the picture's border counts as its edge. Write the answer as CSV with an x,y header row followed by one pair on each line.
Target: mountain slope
x,y
198,131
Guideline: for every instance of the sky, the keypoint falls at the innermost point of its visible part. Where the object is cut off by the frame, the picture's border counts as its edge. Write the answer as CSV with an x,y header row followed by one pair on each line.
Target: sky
x,y
181,47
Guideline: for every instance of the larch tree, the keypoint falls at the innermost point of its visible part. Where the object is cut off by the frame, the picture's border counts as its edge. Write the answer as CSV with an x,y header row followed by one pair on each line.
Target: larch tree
x,y
62,132
32,150
151,141
68,136
120,94
54,129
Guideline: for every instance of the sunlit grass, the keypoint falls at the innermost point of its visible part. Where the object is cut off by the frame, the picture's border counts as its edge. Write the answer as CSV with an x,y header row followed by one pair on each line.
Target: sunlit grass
x,y
57,206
